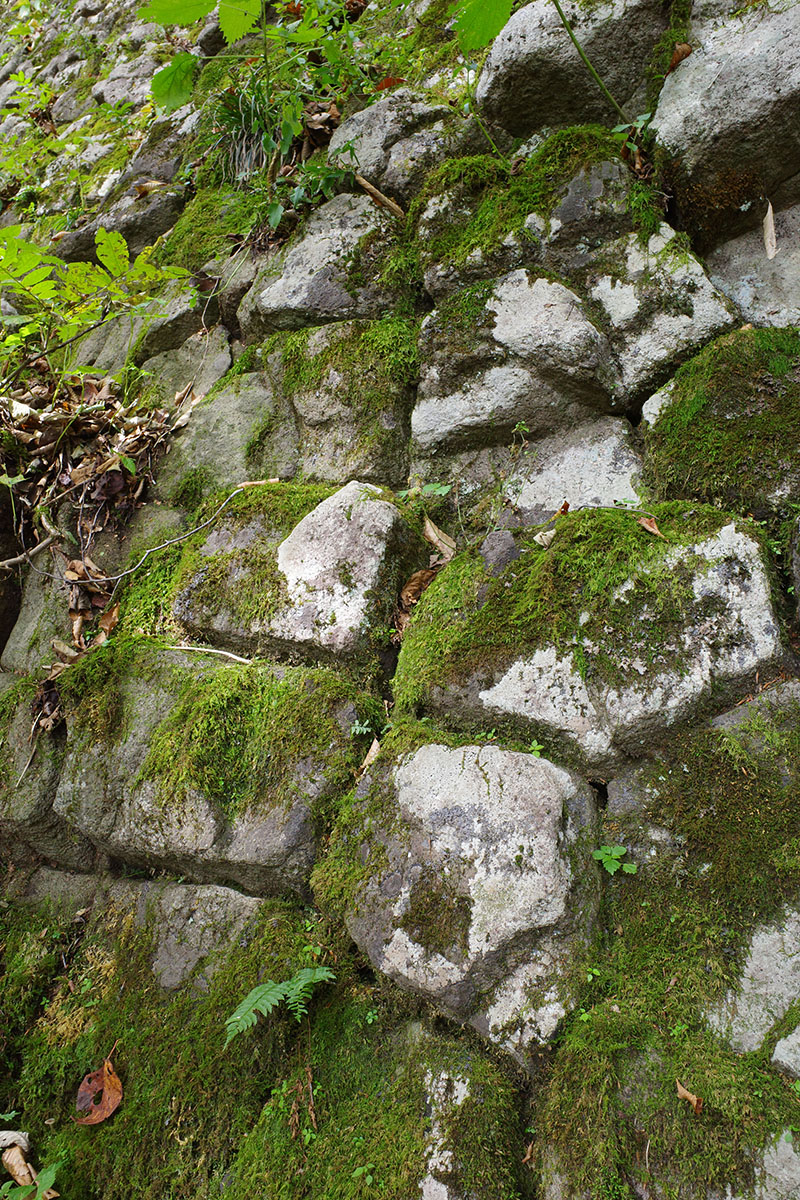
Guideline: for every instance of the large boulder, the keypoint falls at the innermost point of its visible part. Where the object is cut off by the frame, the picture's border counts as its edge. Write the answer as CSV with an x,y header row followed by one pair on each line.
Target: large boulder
x,y
534,76
480,886
765,290
326,588
728,120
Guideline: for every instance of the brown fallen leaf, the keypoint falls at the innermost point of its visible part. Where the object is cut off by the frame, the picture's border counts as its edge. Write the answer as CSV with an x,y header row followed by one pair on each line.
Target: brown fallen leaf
x,y
371,755
388,81
528,1154
682,50
22,1172
438,538
415,586
77,618
695,1101
99,1094
545,537
770,239
649,523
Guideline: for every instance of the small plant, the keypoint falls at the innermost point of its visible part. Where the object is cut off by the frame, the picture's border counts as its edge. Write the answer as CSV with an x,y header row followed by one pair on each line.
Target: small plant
x,y
365,1174
31,1191
371,1016
425,491
295,992
611,857
535,748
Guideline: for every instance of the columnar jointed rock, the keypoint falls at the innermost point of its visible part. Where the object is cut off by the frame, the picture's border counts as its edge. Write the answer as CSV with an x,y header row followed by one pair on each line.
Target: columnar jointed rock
x,y
485,890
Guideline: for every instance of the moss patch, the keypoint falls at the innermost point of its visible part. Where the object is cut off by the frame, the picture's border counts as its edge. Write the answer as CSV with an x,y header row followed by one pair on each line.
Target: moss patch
x,y
729,432
467,619
203,229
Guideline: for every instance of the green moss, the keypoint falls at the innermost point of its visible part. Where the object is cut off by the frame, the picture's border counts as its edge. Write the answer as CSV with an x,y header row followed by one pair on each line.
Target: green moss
x,y
677,934
92,687
238,734
203,229
728,434
467,620
678,31
21,690
437,917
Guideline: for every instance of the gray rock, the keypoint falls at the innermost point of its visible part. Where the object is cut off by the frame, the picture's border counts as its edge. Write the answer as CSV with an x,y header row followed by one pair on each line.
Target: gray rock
x,y
10,590
199,363
398,140
729,117
498,549
534,76
728,631
766,291
128,81
336,578
29,774
593,464
216,446
166,325
786,1055
777,1173
43,615
770,983
660,304
532,356
317,279
140,220
484,888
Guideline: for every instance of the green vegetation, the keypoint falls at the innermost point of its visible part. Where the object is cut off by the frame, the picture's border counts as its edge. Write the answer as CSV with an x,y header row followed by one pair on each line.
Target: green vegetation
x,y
468,620
678,31
728,432
295,993
676,935
205,227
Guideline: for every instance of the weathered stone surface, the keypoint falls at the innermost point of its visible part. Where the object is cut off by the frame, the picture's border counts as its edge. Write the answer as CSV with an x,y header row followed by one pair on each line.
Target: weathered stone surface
x,y
398,140
29,774
199,363
777,1172
532,356
338,571
730,119
10,590
786,1055
168,323
139,220
43,615
218,447
480,902
770,983
727,631
128,81
109,793
660,305
534,77
317,279
766,291
593,464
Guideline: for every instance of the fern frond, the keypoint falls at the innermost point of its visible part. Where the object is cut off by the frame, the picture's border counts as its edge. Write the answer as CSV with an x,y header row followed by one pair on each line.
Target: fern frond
x,y
261,999
298,989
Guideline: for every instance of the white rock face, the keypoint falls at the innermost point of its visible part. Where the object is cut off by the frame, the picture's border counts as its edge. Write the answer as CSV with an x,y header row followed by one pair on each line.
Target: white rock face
x,y
486,838
661,305
728,632
766,291
534,77
308,284
777,1174
534,357
770,983
786,1055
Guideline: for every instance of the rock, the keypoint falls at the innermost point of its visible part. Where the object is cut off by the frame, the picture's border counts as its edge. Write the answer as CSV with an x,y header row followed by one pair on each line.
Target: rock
x,y
167,324
220,447
140,220
770,983
786,1055
660,304
10,591
522,351
766,291
640,673
161,789
326,275
729,119
777,1174
199,363
481,889
593,464
28,783
328,588
43,615
397,141
498,549
129,81
533,76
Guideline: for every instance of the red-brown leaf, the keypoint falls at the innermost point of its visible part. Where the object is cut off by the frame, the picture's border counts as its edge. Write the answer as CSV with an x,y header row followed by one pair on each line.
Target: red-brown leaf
x,y
99,1095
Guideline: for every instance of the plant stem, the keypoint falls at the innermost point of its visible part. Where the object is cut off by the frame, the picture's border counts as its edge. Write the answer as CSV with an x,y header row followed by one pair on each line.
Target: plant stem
x,y
589,66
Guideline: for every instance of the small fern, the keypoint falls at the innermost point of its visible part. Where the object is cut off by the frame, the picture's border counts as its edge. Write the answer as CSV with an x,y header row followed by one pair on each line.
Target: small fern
x,y
296,992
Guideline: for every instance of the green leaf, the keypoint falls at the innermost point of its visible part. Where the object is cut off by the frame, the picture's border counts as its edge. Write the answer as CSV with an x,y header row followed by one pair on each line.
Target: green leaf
x,y
274,214
176,12
128,464
237,17
46,1179
112,251
261,999
172,85
630,868
298,989
479,21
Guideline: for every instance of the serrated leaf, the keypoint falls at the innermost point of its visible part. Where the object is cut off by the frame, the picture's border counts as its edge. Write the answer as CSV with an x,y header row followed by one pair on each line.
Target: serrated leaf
x,y
478,22
630,868
237,17
176,12
112,251
172,85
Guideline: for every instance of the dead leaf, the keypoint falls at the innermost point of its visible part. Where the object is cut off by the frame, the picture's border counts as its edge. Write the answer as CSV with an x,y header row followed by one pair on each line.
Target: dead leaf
x,y
649,523
415,586
770,240
695,1101
77,619
67,654
682,51
564,509
401,622
99,1095
22,1172
388,81
109,620
544,538
372,754
147,186
442,541
528,1154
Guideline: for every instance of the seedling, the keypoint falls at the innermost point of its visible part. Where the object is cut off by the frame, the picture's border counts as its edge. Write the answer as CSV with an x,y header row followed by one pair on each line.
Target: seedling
x,y
611,858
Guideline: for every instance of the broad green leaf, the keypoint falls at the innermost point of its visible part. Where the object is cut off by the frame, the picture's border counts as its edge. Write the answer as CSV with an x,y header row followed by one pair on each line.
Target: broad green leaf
x,y
479,21
176,12
172,85
237,17
112,251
